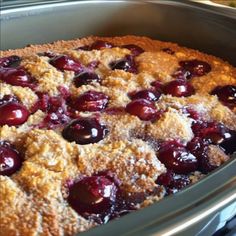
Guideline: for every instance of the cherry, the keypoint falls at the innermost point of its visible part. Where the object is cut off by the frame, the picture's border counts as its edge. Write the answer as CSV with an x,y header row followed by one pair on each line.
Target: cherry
x,y
85,131
13,114
92,65
173,182
142,108
207,133
166,178
192,68
157,85
85,78
64,92
55,119
135,50
91,101
191,113
11,61
179,182
99,44
48,54
179,88
42,102
93,195
10,160
213,132
99,197
177,158
126,64
146,94
64,62
17,77
168,50
54,107
125,205
8,98
84,48
121,65
205,165
56,112
199,147
228,144
226,94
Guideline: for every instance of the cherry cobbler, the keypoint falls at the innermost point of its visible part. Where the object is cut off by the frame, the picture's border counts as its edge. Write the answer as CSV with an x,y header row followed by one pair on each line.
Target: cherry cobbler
x,y
95,128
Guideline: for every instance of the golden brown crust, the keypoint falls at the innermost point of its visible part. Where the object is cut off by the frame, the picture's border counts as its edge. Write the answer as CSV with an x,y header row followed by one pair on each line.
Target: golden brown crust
x,y
33,199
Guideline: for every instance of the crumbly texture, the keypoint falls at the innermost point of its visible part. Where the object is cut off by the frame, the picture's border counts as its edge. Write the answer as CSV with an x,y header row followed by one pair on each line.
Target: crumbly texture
x,y
32,200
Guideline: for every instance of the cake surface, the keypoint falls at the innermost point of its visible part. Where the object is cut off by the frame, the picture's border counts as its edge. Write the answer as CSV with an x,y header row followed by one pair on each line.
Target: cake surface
x,y
94,128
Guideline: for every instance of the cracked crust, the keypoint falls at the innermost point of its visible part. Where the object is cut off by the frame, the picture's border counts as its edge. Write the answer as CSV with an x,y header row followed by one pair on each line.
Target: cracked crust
x,y
33,199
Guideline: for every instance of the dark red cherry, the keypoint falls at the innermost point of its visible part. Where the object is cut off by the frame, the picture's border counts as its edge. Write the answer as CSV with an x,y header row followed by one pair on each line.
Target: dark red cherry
x,y
229,142
190,112
142,108
179,88
157,85
99,44
10,160
125,205
11,61
198,126
166,178
192,68
213,132
48,54
179,182
55,109
64,91
13,114
84,48
93,195
92,65
173,182
17,77
126,64
199,148
85,78
8,98
122,64
226,94
205,165
41,103
177,158
54,119
146,94
64,62
91,101
85,131
168,50
135,50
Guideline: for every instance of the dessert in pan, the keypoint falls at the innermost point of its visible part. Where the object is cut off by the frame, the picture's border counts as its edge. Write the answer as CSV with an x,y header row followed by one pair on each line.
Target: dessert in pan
x,y
94,128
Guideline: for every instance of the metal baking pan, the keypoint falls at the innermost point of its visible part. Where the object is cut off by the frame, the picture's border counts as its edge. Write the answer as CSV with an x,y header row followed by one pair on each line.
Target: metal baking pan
x,y
197,209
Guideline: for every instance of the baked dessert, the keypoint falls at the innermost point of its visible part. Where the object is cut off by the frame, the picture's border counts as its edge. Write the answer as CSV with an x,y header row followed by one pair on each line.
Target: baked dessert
x,y
94,128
